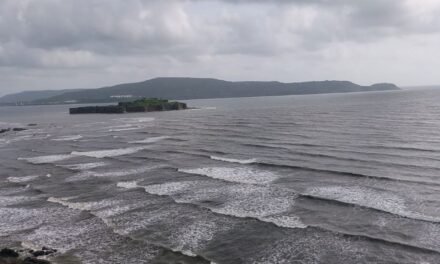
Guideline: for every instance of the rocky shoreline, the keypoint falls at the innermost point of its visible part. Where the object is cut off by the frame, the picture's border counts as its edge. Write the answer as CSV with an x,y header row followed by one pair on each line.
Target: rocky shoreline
x,y
25,256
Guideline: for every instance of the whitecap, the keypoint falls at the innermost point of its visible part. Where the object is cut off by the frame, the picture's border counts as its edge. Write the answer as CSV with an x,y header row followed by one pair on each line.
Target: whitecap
x,y
127,184
68,138
203,108
11,200
243,201
168,188
125,172
22,179
241,175
84,166
125,129
383,201
136,120
47,159
108,152
149,140
83,206
240,161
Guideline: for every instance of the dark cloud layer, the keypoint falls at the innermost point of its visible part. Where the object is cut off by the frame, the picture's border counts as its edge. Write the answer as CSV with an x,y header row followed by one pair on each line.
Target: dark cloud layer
x,y
87,43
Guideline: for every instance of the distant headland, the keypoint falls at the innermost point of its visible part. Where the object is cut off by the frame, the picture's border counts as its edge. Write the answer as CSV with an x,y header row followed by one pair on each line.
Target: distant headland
x,y
142,105
185,89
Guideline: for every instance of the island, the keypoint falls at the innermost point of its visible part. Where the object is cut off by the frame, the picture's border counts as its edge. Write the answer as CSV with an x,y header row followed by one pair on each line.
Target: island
x,y
142,105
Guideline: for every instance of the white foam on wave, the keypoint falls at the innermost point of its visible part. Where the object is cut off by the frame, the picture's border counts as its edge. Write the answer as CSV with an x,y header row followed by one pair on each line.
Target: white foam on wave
x,y
241,175
119,173
83,206
203,108
108,152
149,140
12,200
125,129
194,236
360,196
68,138
124,172
265,204
85,166
127,184
136,119
168,188
47,159
22,179
240,161
259,202
383,201
16,219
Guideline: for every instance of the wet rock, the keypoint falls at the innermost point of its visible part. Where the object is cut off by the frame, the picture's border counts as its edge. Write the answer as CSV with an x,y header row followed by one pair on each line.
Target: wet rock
x,y
18,129
21,256
4,130
39,253
43,252
30,260
8,253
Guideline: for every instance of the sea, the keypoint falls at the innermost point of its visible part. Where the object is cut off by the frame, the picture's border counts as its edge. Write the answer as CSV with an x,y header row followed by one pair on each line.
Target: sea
x,y
330,178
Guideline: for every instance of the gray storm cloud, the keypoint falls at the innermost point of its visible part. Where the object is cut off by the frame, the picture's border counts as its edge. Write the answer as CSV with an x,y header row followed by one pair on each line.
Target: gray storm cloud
x,y
51,44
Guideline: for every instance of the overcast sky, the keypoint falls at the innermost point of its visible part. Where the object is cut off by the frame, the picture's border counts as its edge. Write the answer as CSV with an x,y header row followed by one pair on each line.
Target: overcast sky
x,y
58,44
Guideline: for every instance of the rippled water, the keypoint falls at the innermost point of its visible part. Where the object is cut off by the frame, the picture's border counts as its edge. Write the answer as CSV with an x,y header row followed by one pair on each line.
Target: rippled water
x,y
341,178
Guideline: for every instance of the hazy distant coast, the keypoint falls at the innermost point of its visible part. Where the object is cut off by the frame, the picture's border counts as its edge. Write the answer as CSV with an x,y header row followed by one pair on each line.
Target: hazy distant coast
x,y
186,88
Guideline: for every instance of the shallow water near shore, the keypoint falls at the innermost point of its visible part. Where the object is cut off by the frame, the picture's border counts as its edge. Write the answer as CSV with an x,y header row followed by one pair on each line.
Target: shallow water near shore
x,y
338,178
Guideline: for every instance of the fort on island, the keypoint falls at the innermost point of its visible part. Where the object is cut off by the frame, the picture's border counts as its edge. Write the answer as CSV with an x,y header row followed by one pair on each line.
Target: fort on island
x,y
142,105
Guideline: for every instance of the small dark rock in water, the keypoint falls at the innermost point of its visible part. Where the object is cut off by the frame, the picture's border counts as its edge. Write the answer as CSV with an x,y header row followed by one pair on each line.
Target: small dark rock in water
x,y
39,253
8,253
4,130
32,124
34,261
18,129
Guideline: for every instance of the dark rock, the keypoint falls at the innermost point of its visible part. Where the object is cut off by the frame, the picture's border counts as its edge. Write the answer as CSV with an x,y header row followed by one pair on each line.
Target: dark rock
x,y
30,260
32,124
8,253
39,253
18,129
4,130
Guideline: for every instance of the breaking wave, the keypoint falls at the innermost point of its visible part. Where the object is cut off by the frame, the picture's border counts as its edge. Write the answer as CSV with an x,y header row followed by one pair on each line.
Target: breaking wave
x,y
68,138
108,152
149,140
241,175
240,161
47,159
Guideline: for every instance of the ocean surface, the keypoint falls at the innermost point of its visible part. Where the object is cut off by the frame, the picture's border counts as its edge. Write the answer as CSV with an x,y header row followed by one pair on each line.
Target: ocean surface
x,y
339,178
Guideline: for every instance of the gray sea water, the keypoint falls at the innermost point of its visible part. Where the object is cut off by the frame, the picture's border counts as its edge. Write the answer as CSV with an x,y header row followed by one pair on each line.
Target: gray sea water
x,y
340,178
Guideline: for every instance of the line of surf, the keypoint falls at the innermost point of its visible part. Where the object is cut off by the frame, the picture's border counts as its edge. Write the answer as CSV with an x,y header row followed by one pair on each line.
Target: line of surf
x,y
353,196
239,161
89,208
272,215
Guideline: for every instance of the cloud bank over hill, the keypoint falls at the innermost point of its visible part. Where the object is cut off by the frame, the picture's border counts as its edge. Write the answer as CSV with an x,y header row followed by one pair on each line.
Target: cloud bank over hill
x,y
50,44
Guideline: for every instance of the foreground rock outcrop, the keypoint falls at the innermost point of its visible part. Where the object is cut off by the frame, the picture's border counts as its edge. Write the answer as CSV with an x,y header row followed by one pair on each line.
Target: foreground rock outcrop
x,y
25,256
143,105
